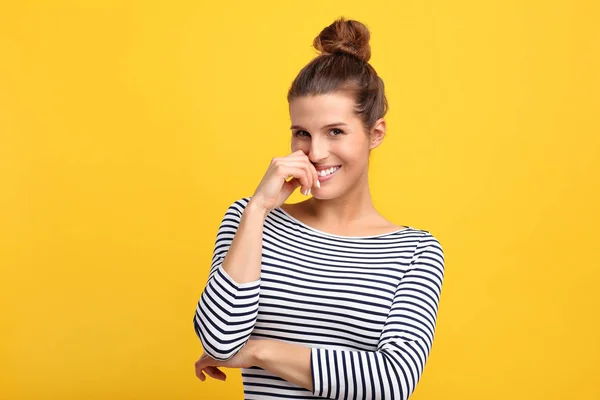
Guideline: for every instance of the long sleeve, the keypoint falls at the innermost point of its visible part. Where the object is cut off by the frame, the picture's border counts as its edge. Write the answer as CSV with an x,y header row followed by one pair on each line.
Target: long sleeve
x,y
393,370
227,311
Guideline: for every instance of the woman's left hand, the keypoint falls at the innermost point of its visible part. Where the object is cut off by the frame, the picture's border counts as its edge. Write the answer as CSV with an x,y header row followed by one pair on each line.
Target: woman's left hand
x,y
245,358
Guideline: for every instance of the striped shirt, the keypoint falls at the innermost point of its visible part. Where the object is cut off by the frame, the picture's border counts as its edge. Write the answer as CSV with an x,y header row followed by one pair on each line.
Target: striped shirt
x,y
366,306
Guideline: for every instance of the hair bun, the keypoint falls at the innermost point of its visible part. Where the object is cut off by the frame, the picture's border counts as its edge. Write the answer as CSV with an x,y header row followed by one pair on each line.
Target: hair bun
x,y
345,36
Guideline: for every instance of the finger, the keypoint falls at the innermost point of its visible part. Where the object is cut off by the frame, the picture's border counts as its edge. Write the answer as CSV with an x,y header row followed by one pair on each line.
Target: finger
x,y
199,365
315,174
297,154
200,375
290,186
305,180
202,361
215,373
311,174
299,173
312,171
293,183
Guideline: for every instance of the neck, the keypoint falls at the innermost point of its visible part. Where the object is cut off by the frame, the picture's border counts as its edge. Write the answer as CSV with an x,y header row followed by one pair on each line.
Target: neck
x,y
351,207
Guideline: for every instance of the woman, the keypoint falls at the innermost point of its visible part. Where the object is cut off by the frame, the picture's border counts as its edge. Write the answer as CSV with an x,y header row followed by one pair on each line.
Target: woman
x,y
324,298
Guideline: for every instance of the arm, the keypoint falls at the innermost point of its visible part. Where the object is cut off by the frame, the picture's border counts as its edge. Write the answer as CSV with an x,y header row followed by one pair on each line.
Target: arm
x,y
228,307
285,360
395,368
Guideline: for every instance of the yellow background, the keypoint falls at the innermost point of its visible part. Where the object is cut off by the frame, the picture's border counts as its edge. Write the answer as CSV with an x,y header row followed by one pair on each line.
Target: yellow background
x,y
128,127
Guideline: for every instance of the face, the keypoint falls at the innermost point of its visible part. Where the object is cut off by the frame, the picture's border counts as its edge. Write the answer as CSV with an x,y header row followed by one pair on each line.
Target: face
x,y
333,137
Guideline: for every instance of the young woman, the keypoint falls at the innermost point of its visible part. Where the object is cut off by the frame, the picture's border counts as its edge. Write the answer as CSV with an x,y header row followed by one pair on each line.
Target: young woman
x,y
324,298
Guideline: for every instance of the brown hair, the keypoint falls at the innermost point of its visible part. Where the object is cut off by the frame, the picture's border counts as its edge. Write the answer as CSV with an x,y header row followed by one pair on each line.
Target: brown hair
x,y
343,66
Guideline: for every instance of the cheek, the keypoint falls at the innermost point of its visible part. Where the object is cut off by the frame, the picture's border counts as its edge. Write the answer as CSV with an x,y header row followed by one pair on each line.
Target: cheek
x,y
355,154
298,145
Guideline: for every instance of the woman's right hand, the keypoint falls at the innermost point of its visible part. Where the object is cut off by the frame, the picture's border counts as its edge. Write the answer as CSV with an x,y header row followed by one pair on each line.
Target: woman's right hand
x,y
274,188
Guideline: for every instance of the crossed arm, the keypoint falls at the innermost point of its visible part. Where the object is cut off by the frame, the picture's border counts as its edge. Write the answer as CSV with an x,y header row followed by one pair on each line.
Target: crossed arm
x,y
228,309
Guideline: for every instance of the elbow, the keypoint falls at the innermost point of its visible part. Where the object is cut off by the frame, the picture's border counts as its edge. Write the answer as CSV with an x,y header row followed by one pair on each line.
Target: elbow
x,y
403,394
405,370
221,353
399,390
216,344
223,325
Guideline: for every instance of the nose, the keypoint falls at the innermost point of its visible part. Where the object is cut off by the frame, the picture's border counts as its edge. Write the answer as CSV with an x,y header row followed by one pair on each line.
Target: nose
x,y
318,150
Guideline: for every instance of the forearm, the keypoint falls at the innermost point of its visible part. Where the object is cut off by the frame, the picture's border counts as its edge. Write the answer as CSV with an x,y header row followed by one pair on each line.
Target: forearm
x,y
285,360
243,260
228,307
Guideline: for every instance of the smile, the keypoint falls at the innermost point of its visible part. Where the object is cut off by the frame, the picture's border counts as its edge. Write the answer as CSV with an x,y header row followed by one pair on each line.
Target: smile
x,y
327,173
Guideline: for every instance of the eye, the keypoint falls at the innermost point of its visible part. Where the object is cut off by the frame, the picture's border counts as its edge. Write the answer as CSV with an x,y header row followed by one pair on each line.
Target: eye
x,y
336,132
301,134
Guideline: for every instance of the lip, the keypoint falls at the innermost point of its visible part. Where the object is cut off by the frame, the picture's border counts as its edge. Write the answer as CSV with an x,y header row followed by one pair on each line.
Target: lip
x,y
322,167
328,177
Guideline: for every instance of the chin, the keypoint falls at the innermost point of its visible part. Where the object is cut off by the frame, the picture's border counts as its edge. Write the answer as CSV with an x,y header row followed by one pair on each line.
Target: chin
x,y
326,194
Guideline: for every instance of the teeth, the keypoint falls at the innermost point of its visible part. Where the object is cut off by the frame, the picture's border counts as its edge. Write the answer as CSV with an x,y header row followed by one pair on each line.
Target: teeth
x,y
329,171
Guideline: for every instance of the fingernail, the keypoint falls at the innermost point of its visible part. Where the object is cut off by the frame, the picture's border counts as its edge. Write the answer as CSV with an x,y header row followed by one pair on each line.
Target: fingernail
x,y
318,184
308,192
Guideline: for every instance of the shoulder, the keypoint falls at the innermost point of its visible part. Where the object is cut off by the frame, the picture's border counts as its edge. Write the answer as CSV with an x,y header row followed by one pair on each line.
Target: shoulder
x,y
427,239
428,249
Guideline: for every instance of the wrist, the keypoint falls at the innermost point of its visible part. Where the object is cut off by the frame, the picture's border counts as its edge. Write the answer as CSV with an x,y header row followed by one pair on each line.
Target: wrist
x,y
259,352
254,207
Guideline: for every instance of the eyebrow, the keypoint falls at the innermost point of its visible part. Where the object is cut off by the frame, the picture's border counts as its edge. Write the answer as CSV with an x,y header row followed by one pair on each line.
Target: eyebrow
x,y
324,127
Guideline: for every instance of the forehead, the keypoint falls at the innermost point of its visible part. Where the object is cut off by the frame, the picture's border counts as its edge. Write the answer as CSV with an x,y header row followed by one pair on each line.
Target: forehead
x,y
322,109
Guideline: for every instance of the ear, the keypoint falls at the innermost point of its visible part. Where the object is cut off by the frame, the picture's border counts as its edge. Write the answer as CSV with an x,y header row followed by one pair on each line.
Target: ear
x,y
377,133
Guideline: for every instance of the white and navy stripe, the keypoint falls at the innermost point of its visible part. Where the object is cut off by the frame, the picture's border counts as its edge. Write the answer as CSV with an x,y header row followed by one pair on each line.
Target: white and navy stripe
x,y
367,306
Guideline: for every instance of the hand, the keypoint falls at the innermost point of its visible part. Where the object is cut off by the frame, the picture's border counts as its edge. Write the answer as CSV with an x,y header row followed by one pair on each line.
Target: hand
x,y
274,189
245,358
